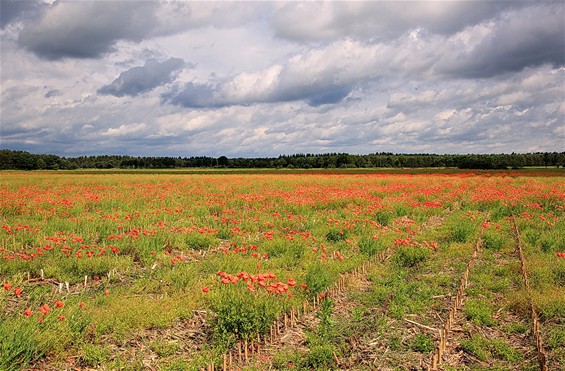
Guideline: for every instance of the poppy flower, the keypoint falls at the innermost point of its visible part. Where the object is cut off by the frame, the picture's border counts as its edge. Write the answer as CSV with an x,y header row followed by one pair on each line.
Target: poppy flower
x,y
27,312
205,290
61,318
291,282
18,291
106,292
44,309
7,287
59,303
40,319
81,304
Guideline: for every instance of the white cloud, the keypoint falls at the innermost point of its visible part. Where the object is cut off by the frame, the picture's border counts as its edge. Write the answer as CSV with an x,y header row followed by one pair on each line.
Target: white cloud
x,y
513,98
123,130
381,20
271,78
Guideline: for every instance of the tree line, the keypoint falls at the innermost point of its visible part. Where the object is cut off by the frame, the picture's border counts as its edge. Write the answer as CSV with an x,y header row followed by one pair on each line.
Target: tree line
x,y
22,160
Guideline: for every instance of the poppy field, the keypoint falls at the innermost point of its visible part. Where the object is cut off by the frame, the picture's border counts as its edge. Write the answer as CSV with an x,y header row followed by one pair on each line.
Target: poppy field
x,y
174,271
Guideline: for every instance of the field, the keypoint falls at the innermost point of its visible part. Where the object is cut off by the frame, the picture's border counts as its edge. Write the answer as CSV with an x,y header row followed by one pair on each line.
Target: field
x,y
173,271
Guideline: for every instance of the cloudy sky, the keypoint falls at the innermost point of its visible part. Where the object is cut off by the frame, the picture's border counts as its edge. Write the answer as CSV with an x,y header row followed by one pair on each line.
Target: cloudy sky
x,y
253,79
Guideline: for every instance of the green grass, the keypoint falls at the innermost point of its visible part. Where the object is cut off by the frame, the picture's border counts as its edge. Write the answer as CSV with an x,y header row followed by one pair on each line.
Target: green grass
x,y
94,355
479,312
486,349
410,256
423,343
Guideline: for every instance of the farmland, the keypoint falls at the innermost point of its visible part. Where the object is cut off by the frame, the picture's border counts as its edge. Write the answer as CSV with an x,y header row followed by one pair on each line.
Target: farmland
x,y
282,270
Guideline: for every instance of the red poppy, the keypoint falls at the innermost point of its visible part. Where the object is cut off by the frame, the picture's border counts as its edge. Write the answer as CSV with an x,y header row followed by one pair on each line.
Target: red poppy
x,y
59,303
61,318
106,292
27,312
7,287
44,309
18,291
205,290
81,304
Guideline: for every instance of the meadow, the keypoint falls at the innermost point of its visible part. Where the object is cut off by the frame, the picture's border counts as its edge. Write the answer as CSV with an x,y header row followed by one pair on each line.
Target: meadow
x,y
282,270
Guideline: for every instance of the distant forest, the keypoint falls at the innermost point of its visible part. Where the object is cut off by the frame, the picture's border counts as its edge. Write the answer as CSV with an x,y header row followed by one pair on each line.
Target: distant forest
x,y
21,160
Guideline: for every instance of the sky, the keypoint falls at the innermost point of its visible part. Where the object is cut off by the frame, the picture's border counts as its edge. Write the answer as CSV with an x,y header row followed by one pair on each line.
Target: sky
x,y
261,79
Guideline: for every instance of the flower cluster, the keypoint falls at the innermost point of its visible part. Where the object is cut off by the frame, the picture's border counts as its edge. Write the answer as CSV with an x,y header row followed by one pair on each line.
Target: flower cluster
x,y
267,281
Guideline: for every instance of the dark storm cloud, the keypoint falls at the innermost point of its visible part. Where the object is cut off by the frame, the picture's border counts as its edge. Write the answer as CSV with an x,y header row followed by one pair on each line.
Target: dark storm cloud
x,y
87,29
14,10
144,78
193,96
53,93
213,96
531,37
329,96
